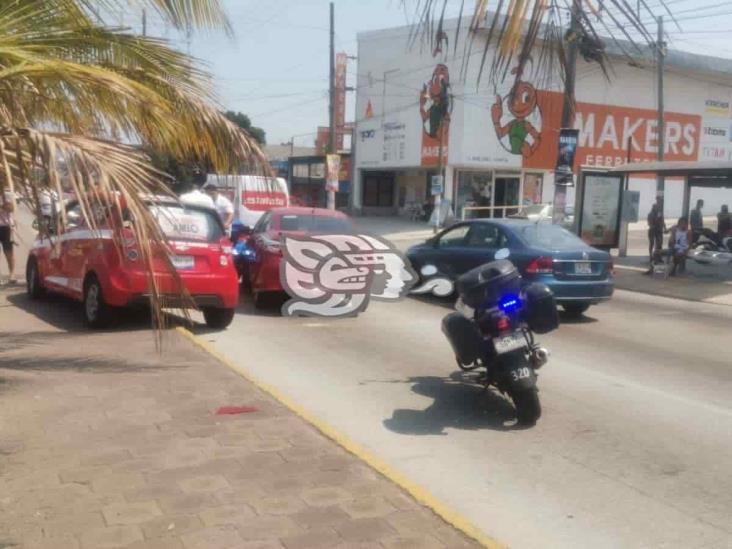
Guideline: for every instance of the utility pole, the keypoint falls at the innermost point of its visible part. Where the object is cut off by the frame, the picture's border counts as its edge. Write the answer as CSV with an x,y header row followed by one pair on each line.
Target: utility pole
x,y
560,190
144,22
660,56
332,141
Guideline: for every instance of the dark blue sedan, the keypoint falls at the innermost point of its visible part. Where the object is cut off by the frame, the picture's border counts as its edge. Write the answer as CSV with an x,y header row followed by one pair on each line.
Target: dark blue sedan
x,y
578,274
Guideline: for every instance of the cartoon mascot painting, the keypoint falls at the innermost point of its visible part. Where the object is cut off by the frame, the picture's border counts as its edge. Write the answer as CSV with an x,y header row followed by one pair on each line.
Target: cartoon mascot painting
x,y
434,107
519,135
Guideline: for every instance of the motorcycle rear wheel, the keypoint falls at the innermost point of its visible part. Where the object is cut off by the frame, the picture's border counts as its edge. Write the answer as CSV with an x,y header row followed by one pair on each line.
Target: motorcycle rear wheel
x,y
528,407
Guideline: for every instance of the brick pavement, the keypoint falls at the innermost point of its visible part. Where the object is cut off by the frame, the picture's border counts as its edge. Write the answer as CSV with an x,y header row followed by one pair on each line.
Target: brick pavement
x,y
104,443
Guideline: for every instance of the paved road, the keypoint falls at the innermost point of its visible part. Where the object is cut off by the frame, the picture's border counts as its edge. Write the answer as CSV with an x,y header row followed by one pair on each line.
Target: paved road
x,y
633,450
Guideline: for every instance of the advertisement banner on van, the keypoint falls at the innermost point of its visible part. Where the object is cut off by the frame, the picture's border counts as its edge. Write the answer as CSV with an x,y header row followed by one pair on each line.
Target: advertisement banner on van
x,y
261,201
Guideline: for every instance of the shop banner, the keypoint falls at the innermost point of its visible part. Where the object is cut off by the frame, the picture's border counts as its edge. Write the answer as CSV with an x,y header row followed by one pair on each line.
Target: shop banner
x,y
567,150
606,130
333,162
437,186
341,63
434,108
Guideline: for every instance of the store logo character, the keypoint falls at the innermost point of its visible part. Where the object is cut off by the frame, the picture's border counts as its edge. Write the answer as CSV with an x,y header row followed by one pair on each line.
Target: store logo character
x,y
519,133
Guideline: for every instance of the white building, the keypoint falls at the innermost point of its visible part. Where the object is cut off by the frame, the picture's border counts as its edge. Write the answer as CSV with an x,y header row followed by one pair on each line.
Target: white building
x,y
499,149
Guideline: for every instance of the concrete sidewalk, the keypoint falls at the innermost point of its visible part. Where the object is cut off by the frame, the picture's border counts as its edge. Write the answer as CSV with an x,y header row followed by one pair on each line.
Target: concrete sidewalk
x,y
104,443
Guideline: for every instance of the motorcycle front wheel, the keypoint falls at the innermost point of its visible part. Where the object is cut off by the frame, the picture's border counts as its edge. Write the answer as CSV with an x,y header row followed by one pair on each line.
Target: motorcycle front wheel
x,y
528,407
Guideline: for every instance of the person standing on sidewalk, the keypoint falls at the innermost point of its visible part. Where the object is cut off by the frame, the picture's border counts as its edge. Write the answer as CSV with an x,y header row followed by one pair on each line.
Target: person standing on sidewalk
x,y
724,222
656,228
7,207
696,220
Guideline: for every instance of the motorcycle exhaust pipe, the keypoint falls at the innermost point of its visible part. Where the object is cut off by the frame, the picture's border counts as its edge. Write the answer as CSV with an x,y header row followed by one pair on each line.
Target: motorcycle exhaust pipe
x,y
540,357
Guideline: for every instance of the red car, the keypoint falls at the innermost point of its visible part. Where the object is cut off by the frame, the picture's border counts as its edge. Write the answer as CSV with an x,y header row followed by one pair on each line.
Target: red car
x,y
87,265
266,237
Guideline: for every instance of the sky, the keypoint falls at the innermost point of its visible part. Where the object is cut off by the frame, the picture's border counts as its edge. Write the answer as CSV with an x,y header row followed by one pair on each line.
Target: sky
x,y
275,68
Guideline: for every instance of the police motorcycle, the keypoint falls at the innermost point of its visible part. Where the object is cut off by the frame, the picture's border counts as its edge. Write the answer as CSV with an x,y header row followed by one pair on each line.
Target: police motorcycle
x,y
493,327
242,253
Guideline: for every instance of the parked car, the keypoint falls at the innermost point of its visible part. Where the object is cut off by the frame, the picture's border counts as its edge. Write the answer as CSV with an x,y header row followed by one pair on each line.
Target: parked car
x,y
87,265
266,241
578,275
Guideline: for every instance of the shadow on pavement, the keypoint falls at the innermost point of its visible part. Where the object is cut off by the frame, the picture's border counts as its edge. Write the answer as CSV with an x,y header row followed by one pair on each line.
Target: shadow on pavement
x,y
66,314
459,403
89,364
446,302
565,318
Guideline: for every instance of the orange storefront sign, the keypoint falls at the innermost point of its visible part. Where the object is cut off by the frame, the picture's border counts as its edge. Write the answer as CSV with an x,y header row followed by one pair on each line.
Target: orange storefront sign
x,y
604,133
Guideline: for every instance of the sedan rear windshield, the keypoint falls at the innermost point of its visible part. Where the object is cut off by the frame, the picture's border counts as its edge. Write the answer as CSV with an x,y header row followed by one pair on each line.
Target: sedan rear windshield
x,y
315,224
181,223
551,237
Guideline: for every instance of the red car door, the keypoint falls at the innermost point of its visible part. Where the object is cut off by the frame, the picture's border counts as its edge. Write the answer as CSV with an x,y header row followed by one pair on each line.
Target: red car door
x,y
260,229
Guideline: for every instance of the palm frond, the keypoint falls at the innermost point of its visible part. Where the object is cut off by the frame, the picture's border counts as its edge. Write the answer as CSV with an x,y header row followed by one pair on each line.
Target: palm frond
x,y
519,31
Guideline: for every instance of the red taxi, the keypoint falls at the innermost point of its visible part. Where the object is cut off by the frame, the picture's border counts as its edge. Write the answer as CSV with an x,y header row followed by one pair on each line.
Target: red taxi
x,y
266,241
103,269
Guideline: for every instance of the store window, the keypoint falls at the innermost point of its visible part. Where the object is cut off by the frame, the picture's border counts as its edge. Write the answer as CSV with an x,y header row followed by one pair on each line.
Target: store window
x,y
300,170
317,171
474,190
533,183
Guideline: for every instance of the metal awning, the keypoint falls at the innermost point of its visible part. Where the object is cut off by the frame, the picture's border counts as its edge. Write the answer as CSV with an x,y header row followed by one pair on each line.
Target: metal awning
x,y
708,173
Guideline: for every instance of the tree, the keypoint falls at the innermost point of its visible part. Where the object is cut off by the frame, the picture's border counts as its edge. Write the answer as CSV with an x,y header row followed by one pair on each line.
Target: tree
x,y
74,93
243,121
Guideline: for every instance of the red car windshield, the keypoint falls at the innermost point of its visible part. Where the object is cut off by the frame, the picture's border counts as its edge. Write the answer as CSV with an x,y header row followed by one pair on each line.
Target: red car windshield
x,y
315,224
181,223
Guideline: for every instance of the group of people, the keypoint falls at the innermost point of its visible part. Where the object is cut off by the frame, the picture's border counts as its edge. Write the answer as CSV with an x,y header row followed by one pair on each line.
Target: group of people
x,y
210,197
683,235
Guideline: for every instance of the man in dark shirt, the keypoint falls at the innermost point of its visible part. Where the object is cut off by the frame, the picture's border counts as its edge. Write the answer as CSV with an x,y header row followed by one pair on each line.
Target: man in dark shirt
x,y
724,222
696,221
656,227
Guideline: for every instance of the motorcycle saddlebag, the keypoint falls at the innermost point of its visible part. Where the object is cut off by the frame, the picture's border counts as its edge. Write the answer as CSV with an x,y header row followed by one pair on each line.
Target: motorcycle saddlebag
x,y
484,285
464,337
540,308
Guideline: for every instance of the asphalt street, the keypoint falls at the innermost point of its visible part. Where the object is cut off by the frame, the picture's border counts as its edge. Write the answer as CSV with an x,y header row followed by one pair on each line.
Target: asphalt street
x,y
634,448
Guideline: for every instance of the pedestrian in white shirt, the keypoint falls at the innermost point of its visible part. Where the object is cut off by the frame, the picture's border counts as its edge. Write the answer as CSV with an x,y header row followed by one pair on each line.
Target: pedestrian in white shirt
x,y
7,207
195,197
223,205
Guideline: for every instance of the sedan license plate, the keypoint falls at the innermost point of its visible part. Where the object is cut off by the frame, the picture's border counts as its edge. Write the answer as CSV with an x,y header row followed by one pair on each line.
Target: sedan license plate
x,y
583,268
183,262
509,343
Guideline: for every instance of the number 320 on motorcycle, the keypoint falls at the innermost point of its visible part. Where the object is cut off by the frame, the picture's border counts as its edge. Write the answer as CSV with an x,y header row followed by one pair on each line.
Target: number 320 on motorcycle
x,y
520,373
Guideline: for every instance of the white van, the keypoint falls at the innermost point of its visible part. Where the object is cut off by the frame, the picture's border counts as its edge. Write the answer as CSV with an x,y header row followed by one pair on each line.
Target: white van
x,y
252,195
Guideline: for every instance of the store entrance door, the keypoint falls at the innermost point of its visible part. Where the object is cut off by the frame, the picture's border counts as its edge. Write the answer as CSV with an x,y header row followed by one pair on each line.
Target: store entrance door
x,y
507,195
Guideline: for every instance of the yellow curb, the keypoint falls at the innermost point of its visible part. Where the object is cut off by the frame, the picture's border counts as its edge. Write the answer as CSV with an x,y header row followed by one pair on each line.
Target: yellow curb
x,y
450,516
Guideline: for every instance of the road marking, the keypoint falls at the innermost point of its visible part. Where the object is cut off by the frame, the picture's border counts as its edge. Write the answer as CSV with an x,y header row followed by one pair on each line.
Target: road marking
x,y
423,496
